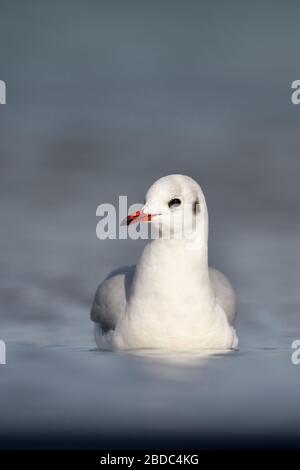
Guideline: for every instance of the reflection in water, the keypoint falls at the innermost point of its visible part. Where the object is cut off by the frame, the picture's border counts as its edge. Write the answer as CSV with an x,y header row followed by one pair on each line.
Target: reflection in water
x,y
174,366
196,358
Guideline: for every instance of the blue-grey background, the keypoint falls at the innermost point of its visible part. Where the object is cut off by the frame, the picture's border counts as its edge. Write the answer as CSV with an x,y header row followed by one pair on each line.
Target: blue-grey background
x,y
104,97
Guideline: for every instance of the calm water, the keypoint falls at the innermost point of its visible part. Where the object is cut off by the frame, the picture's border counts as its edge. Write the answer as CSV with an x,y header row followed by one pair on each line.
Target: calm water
x,y
102,101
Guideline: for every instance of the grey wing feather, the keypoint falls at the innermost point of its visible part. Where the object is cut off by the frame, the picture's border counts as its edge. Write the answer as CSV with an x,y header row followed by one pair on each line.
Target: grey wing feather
x,y
224,293
111,297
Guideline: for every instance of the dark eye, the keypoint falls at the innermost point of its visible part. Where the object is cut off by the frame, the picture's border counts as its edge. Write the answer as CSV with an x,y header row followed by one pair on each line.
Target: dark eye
x,y
174,202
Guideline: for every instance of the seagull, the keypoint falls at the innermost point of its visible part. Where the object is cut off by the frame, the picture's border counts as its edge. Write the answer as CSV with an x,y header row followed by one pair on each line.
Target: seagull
x,y
171,300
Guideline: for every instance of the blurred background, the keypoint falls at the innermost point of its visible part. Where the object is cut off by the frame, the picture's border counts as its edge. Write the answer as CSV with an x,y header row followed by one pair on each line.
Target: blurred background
x,y
103,98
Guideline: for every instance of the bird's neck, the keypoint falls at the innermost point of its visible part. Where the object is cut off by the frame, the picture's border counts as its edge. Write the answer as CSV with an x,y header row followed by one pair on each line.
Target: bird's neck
x,y
161,254
177,268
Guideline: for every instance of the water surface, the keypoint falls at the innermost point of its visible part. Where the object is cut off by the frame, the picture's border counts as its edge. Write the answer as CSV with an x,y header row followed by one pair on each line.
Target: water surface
x,y
102,100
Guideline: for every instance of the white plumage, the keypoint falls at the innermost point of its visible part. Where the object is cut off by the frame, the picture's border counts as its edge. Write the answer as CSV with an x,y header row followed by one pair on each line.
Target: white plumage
x,y
171,300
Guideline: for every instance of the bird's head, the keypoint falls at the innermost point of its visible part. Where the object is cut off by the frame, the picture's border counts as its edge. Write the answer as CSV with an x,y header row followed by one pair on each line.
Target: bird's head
x,y
173,204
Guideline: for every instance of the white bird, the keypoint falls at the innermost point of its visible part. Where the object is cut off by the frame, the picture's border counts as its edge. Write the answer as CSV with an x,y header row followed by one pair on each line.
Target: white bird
x,y
171,300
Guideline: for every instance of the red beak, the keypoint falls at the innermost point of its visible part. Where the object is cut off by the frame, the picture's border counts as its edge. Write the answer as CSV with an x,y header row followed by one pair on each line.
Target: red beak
x,y
136,218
